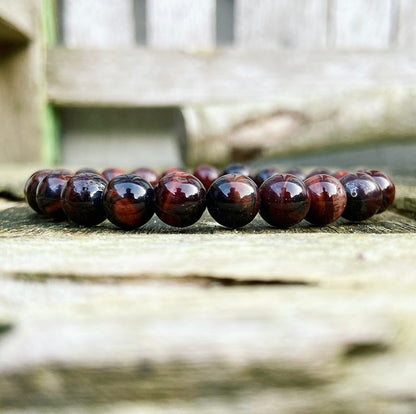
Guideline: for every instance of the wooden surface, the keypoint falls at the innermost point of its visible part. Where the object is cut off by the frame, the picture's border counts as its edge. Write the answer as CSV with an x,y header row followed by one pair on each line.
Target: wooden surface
x,y
281,24
98,24
181,24
204,319
262,25
407,30
112,78
354,30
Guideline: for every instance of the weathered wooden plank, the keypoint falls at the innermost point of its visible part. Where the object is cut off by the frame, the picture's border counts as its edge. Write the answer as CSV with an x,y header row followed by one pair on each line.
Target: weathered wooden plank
x,y
349,350
361,24
113,78
98,24
406,25
207,250
275,24
16,21
181,24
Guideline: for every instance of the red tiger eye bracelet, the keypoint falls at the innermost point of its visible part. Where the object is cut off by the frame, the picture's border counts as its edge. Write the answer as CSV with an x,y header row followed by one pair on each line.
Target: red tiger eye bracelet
x,y
179,199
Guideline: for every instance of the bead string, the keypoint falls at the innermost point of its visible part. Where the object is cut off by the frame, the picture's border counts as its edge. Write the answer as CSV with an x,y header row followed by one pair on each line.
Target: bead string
x,y
233,198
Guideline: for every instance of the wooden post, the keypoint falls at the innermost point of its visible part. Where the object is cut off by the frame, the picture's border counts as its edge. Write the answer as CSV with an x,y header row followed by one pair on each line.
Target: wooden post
x,y
22,83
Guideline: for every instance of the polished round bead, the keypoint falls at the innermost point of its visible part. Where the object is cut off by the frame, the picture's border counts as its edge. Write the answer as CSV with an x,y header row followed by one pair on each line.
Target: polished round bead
x,y
341,173
364,196
328,199
86,170
48,194
180,199
148,174
110,173
237,168
233,200
31,187
263,175
172,170
82,199
207,174
387,187
284,200
297,172
128,201
318,171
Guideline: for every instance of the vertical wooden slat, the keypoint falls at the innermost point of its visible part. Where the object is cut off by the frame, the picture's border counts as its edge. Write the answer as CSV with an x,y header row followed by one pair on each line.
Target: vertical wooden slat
x,y
98,24
407,24
181,24
281,23
361,24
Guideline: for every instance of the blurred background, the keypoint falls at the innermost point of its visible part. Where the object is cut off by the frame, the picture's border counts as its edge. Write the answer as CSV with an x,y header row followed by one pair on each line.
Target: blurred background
x,y
164,83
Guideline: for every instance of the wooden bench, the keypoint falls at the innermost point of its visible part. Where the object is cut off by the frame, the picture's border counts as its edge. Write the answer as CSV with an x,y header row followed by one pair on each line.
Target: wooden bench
x,y
204,319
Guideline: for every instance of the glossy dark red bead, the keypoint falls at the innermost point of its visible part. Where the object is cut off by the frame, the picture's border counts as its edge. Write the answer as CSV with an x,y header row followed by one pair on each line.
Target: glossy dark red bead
x,y
151,176
172,170
233,200
48,194
284,200
262,175
237,168
387,187
318,171
297,172
341,173
364,196
82,199
207,174
31,187
87,170
179,199
328,199
110,173
128,201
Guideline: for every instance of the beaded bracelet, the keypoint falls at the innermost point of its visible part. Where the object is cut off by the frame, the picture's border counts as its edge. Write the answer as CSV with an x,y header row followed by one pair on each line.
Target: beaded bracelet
x,y
232,197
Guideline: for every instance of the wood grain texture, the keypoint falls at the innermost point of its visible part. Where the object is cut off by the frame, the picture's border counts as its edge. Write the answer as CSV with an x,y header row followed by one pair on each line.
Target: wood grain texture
x,y
206,250
361,24
98,24
188,346
406,25
181,24
16,21
165,78
281,24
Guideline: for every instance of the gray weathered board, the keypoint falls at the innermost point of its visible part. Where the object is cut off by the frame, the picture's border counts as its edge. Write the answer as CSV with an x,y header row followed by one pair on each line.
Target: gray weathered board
x,y
204,319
